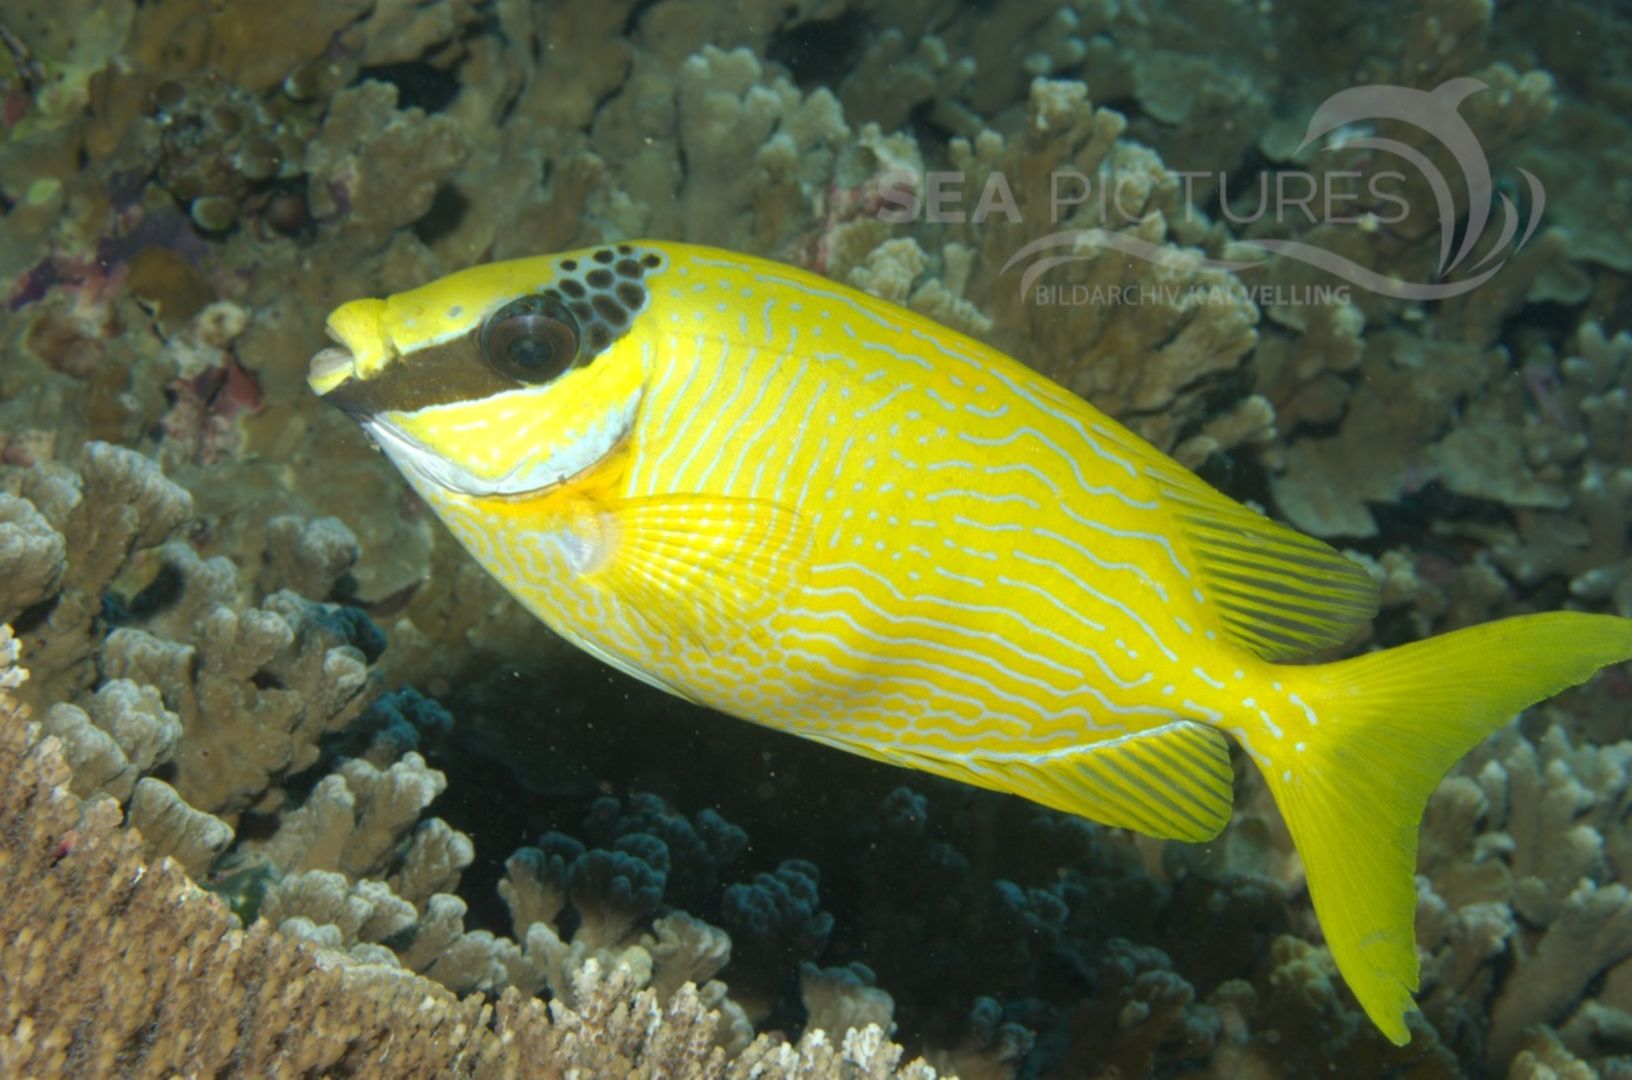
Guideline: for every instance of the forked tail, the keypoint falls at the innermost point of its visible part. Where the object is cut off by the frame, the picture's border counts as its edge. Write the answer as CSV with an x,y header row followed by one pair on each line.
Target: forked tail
x,y
1388,726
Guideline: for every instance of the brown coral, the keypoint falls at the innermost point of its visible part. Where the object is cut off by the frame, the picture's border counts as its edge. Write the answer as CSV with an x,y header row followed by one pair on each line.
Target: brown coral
x,y
215,999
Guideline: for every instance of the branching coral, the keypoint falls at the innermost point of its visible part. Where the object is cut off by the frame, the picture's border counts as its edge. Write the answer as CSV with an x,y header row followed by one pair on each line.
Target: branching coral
x,y
374,168
121,734
568,902
1144,338
221,1000
1525,904
225,703
1478,447
119,504
256,689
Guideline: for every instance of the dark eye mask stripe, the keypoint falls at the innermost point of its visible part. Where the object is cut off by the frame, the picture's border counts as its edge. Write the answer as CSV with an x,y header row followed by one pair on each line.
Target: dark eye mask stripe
x,y
435,375
603,290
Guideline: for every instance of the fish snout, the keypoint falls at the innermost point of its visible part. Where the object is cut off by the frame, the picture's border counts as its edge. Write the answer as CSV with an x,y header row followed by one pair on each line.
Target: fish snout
x,y
329,368
362,349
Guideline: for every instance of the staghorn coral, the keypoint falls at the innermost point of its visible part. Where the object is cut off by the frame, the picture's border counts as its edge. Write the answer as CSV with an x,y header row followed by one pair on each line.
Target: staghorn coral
x,y
1411,388
1543,444
121,734
308,557
193,677
354,820
176,669
892,78
177,942
256,688
350,870
1585,442
32,556
226,703
723,106
173,829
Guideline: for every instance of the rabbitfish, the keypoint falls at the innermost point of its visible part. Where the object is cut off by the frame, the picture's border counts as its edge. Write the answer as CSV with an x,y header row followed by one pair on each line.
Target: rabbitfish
x,y
802,506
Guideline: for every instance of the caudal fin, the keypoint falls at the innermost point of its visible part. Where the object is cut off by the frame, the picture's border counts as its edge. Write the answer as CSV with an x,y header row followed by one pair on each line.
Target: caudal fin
x,y
1385,728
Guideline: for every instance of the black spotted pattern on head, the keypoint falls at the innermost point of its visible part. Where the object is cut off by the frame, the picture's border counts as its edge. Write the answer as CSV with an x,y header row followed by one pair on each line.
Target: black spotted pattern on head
x,y
604,290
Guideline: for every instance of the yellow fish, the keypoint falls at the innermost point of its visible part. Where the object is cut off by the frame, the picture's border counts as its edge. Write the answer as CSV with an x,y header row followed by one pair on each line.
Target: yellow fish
x,y
794,503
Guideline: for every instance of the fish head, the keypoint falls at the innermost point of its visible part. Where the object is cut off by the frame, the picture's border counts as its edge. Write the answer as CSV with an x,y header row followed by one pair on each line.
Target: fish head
x,y
501,380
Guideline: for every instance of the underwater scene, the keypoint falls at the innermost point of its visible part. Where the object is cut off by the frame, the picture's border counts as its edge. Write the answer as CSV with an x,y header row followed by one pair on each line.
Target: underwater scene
x,y
816,538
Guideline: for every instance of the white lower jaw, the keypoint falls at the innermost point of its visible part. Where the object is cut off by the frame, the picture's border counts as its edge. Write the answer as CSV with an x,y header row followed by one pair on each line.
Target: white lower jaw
x,y
532,474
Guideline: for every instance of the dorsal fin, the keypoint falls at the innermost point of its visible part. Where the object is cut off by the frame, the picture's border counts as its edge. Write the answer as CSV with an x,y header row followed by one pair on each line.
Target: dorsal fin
x,y
1278,593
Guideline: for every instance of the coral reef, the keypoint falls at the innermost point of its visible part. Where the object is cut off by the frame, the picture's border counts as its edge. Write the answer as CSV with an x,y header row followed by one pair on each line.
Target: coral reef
x,y
1524,905
233,1002
188,188
230,701
247,744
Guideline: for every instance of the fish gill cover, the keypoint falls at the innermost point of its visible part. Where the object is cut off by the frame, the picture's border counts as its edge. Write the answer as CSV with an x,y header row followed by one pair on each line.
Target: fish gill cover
x,y
257,652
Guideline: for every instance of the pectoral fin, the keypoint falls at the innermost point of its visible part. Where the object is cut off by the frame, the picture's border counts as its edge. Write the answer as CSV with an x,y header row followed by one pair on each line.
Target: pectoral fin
x,y
702,571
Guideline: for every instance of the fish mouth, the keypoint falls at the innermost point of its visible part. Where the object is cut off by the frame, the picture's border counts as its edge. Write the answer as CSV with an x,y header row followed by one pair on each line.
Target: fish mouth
x,y
332,375
330,367
362,347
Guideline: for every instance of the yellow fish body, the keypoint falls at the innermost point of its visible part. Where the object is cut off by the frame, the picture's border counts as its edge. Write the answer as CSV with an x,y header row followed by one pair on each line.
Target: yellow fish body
x,y
811,509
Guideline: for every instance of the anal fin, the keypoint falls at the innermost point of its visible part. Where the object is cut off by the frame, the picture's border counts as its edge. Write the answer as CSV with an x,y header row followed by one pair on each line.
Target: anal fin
x,y
1173,782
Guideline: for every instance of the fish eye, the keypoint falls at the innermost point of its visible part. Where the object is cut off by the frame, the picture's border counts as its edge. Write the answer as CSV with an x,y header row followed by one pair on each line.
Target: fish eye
x,y
532,340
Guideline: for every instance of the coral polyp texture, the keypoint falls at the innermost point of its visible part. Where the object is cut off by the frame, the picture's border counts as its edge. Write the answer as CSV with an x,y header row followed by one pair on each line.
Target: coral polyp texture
x,y
286,758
